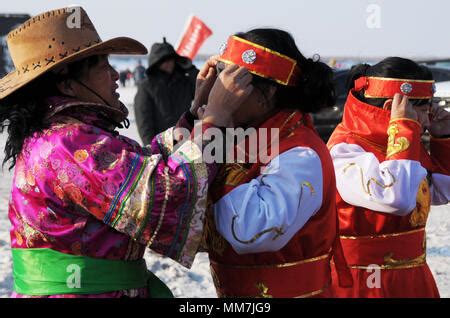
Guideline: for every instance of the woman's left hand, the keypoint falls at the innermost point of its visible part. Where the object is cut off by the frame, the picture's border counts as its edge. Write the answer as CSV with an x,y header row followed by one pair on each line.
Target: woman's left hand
x,y
439,121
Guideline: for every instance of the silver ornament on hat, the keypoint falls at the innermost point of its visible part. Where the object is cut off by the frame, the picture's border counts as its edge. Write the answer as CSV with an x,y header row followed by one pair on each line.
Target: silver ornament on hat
x,y
222,48
249,56
406,88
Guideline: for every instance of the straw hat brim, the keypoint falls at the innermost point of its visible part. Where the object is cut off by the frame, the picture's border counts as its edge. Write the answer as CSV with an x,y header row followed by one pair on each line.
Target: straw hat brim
x,y
121,45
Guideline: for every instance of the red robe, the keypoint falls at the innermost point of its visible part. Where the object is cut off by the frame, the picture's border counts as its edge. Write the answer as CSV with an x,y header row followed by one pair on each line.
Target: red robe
x,y
302,267
395,243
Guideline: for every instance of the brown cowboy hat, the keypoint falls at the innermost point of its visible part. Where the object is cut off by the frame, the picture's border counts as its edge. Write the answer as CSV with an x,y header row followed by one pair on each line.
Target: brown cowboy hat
x,y
53,39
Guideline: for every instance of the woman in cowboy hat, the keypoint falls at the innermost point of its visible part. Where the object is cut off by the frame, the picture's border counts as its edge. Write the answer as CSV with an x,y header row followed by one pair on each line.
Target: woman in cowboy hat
x,y
85,201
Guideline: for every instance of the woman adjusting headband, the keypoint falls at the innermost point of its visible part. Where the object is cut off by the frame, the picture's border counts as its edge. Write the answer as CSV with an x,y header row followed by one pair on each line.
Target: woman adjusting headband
x,y
271,226
83,196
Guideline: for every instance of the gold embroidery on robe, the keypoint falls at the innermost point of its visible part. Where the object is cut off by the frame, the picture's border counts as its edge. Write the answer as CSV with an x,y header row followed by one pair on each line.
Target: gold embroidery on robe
x,y
419,215
263,290
309,186
278,230
234,174
366,186
395,145
390,262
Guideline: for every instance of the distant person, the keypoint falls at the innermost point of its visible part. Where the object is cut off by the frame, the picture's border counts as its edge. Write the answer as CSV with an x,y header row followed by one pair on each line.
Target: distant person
x,y
129,75
139,73
123,77
166,93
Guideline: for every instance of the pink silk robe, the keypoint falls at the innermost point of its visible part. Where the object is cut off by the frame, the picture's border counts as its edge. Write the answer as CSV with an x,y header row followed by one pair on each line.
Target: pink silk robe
x,y
82,189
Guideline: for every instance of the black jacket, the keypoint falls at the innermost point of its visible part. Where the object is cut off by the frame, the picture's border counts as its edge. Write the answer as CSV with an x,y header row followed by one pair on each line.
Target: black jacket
x,y
161,99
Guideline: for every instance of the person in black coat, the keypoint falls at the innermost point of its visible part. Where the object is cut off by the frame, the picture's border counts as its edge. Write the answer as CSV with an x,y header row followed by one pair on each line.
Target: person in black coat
x,y
166,93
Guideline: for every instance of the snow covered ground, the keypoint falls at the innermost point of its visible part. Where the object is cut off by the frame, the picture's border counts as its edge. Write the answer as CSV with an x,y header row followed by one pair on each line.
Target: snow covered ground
x,y
197,282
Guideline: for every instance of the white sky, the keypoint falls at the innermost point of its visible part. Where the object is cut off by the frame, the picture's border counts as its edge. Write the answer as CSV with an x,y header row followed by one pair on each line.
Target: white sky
x,y
414,28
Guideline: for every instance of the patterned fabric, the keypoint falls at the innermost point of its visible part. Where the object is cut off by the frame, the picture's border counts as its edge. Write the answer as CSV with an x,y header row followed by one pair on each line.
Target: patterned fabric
x,y
82,189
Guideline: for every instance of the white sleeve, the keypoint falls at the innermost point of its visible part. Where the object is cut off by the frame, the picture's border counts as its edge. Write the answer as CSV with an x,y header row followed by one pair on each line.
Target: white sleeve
x,y
264,214
390,186
440,189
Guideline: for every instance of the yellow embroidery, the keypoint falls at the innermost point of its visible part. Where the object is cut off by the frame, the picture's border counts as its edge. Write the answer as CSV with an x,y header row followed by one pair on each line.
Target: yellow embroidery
x,y
278,230
419,215
390,262
366,187
235,173
81,155
263,290
310,187
395,145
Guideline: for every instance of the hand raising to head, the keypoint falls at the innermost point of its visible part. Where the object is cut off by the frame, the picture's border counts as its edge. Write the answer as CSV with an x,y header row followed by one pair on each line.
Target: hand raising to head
x,y
229,91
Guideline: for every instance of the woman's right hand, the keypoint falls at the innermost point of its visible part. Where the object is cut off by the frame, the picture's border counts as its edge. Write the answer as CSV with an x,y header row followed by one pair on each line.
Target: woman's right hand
x,y
231,89
205,81
402,108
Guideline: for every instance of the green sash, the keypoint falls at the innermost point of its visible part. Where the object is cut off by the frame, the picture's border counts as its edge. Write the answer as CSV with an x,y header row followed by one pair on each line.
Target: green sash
x,y
43,271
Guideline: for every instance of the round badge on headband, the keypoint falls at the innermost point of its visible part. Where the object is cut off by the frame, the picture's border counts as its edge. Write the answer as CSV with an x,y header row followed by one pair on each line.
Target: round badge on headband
x,y
383,87
260,61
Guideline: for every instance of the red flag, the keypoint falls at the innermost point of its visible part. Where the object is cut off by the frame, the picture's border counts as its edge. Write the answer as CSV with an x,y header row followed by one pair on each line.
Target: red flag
x,y
195,33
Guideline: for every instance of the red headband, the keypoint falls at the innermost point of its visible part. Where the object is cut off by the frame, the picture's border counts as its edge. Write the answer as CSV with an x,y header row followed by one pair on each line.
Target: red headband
x,y
260,61
382,87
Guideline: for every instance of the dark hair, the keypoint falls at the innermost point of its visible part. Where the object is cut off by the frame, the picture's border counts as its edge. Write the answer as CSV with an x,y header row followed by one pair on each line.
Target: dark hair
x,y
22,113
315,89
392,67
